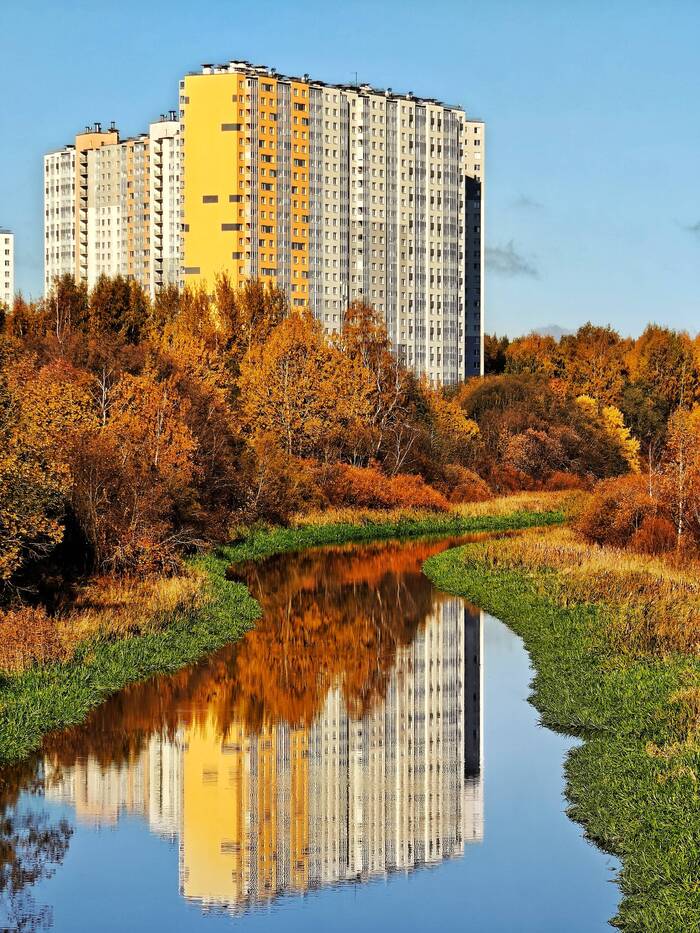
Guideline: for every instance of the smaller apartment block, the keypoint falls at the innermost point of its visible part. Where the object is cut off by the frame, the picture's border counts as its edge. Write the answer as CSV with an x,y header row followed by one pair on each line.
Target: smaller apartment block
x,y
111,206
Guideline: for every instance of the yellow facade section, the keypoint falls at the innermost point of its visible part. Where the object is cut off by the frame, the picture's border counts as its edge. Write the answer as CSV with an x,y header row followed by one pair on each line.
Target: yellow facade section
x,y
228,128
216,171
231,837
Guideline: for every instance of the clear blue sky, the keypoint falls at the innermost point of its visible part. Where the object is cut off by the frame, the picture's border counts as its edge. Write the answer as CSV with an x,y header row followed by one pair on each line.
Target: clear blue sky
x,y
592,112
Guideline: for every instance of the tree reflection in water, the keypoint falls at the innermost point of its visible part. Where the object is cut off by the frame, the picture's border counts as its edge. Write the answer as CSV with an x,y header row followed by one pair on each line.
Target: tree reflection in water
x,y
330,617
31,849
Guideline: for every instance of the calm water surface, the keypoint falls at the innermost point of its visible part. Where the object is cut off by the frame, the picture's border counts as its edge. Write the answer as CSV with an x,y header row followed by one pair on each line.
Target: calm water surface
x,y
365,759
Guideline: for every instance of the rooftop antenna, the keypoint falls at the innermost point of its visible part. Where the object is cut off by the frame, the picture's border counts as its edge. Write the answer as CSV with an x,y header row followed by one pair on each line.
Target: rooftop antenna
x,y
356,82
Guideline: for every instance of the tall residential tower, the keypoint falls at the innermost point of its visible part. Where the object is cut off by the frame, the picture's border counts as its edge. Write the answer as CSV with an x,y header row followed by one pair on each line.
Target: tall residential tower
x,y
339,193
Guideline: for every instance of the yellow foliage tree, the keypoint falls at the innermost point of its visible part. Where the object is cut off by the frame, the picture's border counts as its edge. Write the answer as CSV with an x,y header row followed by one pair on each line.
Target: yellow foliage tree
x,y
613,422
681,471
30,492
301,390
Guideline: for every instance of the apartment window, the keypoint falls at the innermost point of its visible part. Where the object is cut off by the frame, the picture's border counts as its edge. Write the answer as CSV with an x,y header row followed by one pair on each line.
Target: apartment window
x,y
231,127
210,198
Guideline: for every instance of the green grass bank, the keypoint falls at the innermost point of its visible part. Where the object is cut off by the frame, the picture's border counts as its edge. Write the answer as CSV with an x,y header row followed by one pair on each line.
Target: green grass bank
x,y
633,783
56,696
265,542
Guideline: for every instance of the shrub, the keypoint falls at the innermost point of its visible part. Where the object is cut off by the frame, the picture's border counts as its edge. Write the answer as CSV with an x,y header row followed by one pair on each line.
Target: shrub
x,y
617,511
655,535
279,485
462,485
368,487
505,478
562,480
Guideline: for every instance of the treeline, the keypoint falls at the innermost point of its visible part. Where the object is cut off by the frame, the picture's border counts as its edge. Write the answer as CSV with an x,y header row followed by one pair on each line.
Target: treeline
x,y
132,432
649,386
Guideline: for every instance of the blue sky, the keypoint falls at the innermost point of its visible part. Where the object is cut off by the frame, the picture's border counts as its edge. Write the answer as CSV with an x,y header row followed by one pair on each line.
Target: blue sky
x,y
592,112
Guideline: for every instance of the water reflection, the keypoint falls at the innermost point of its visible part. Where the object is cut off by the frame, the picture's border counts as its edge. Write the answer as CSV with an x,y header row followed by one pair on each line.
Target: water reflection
x,y
32,846
339,741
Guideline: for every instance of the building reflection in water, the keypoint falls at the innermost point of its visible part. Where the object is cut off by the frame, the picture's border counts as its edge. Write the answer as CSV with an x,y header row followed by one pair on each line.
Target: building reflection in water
x,y
351,795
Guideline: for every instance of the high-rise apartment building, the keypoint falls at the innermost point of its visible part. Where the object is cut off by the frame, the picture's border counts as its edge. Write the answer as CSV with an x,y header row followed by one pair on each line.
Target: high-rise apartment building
x,y
7,267
112,206
337,193
333,192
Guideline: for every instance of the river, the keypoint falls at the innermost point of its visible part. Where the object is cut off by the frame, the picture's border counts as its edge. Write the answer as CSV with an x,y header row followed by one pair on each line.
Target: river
x,y
364,759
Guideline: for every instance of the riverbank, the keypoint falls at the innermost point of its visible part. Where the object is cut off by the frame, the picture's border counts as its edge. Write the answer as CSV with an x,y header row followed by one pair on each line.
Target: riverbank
x,y
605,674
57,695
317,530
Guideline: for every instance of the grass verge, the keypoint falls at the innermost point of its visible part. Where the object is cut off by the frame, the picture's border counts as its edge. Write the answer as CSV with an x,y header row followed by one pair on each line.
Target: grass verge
x,y
264,542
60,694
633,783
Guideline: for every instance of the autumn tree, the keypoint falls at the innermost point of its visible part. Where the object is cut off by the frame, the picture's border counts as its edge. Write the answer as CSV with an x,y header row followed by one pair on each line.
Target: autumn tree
x,y
495,354
66,307
397,408
301,390
31,502
133,479
593,362
681,472
118,307
533,355
250,313
521,418
452,432
664,362
164,308
613,423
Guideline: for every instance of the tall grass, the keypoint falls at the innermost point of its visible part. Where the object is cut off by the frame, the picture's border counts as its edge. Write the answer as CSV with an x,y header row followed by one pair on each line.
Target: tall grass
x,y
654,605
341,526
107,608
56,695
540,503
